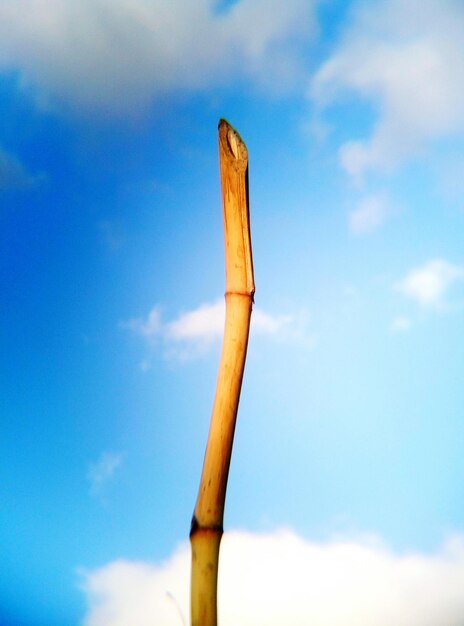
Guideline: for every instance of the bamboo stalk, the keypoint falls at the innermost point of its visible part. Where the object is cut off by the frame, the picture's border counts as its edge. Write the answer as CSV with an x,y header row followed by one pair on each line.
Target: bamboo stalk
x,y
207,521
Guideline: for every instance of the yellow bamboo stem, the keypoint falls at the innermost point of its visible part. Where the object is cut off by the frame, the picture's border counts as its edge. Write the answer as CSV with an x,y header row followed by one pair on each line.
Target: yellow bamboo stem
x,y
207,522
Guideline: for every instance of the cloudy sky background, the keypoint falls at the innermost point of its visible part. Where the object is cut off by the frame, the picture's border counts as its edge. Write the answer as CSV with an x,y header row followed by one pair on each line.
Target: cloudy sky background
x,y
345,498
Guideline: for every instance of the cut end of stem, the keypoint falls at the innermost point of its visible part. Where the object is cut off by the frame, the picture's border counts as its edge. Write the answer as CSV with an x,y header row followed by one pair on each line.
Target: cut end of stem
x,y
232,141
236,148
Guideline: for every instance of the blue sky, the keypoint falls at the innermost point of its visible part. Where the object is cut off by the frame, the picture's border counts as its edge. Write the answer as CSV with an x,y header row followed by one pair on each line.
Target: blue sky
x,y
348,462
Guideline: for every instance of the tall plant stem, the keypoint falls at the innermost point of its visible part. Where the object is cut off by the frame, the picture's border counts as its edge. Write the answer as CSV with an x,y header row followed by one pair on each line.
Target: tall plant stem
x,y
207,522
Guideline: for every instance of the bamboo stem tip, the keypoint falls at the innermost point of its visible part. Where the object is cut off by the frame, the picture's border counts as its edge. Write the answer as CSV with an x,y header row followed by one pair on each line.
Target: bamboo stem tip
x,y
232,142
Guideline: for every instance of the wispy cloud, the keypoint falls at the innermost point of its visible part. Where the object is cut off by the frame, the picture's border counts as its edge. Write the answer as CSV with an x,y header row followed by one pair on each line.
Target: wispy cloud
x,y
149,326
265,324
193,332
101,471
13,175
400,324
111,234
119,57
280,578
407,59
205,324
370,215
430,284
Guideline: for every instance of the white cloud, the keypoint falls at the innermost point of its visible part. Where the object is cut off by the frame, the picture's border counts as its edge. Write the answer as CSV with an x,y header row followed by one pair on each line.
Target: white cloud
x,y
263,323
206,323
407,59
428,285
280,578
100,472
370,214
194,331
119,56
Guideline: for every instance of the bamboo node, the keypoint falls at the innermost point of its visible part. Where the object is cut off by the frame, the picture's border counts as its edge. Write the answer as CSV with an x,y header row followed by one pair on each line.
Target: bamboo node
x,y
245,294
196,528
